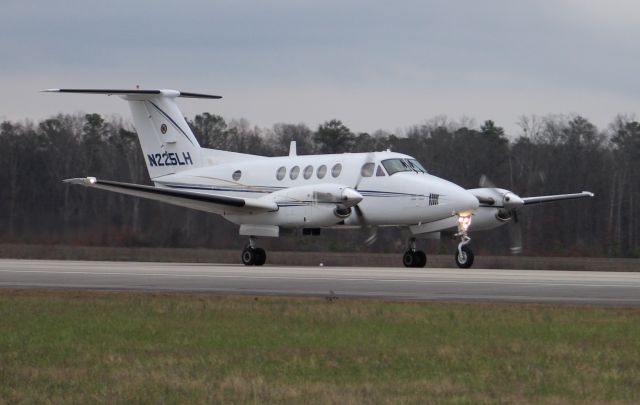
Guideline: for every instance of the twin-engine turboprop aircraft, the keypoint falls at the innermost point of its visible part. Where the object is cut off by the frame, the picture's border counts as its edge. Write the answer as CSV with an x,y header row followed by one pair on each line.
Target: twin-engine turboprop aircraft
x,y
268,196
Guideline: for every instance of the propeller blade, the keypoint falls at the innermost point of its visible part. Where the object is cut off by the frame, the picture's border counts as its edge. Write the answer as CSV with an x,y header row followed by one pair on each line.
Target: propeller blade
x,y
368,159
361,220
485,182
515,234
373,235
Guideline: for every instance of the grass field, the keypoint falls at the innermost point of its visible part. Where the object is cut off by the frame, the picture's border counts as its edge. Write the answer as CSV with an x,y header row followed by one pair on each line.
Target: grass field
x,y
81,347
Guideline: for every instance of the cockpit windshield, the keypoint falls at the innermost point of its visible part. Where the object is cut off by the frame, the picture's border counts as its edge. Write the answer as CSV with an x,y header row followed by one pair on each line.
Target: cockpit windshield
x,y
402,165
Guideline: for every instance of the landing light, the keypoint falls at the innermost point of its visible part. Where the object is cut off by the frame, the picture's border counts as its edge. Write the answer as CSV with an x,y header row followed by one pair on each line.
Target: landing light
x,y
464,221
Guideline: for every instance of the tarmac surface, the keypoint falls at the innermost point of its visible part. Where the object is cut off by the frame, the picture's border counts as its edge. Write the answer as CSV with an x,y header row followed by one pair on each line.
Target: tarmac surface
x,y
468,285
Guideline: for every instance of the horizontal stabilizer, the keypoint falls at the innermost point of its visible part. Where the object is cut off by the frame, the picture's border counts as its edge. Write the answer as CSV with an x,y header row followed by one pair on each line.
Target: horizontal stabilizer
x,y
137,92
214,203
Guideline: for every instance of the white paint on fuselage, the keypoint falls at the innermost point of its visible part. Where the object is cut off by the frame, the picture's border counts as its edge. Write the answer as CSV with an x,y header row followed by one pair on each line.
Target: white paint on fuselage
x,y
399,199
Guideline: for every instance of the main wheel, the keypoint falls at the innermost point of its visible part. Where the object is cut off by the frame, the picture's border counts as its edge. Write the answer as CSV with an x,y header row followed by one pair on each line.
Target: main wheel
x,y
464,259
414,258
421,258
409,259
249,256
260,256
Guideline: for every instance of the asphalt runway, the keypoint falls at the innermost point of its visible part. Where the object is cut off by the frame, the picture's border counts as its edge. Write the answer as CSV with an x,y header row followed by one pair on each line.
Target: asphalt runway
x,y
474,285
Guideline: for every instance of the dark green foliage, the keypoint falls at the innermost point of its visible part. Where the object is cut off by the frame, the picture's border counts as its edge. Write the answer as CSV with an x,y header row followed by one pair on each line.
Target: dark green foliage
x,y
334,137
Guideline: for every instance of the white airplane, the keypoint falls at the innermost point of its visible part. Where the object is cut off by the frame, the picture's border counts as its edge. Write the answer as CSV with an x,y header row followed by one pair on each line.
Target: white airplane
x,y
269,196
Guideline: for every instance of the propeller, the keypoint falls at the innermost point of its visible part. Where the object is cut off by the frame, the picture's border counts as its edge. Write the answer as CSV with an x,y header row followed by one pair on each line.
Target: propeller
x,y
509,203
360,217
515,235
368,159
347,198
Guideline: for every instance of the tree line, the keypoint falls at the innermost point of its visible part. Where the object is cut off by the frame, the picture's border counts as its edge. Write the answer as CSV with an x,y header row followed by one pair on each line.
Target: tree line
x,y
549,155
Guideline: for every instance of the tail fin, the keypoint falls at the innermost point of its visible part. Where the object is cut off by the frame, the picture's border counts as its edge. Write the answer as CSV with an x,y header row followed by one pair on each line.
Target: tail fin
x,y
167,142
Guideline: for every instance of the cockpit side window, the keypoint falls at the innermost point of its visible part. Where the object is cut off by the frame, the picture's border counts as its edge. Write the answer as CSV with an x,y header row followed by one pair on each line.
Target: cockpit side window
x,y
380,171
402,165
393,166
417,166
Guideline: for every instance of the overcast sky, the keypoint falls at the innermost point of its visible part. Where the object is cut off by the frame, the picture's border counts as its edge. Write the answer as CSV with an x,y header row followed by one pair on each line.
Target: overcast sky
x,y
374,65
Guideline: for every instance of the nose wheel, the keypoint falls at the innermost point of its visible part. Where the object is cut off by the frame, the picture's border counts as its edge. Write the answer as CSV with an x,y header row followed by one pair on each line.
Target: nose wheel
x,y
413,257
252,255
464,257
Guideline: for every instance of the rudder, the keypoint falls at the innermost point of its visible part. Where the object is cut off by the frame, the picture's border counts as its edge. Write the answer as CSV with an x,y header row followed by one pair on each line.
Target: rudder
x,y
167,142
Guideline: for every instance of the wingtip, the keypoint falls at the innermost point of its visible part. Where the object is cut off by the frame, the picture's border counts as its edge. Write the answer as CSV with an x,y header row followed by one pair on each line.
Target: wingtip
x,y
49,91
588,193
85,181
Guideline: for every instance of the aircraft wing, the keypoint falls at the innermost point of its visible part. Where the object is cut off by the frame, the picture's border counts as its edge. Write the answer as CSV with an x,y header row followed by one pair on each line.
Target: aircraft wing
x,y
550,198
214,203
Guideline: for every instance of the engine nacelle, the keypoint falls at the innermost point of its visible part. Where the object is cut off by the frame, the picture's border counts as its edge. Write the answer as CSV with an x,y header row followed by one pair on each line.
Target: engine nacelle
x,y
309,206
319,194
488,218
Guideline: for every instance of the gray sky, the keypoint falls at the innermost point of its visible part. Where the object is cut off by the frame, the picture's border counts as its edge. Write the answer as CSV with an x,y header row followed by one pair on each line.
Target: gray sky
x,y
374,65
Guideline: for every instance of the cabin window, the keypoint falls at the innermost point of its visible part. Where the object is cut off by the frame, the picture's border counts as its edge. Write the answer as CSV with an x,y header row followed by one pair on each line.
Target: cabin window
x,y
281,173
322,171
295,170
236,175
335,171
308,171
380,172
367,169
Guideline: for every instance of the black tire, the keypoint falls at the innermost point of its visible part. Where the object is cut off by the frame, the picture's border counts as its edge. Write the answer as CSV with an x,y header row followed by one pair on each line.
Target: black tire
x,y
409,259
249,256
261,256
421,258
464,260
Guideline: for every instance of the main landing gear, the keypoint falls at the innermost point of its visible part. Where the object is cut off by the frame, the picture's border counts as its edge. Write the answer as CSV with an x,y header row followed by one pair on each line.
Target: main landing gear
x,y
413,257
252,255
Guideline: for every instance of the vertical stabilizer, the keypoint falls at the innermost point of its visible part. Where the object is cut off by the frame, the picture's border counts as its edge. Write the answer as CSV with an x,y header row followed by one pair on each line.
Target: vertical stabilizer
x,y
167,142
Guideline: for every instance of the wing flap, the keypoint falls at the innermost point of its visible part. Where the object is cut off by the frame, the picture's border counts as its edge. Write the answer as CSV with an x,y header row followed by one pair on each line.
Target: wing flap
x,y
214,203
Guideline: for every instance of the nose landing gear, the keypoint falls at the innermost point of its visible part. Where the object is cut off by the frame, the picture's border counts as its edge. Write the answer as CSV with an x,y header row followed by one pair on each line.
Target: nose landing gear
x,y
464,255
253,256
413,257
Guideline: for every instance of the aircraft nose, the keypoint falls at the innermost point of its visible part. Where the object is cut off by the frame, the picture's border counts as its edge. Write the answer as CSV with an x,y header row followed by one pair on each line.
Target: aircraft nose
x,y
460,200
467,202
